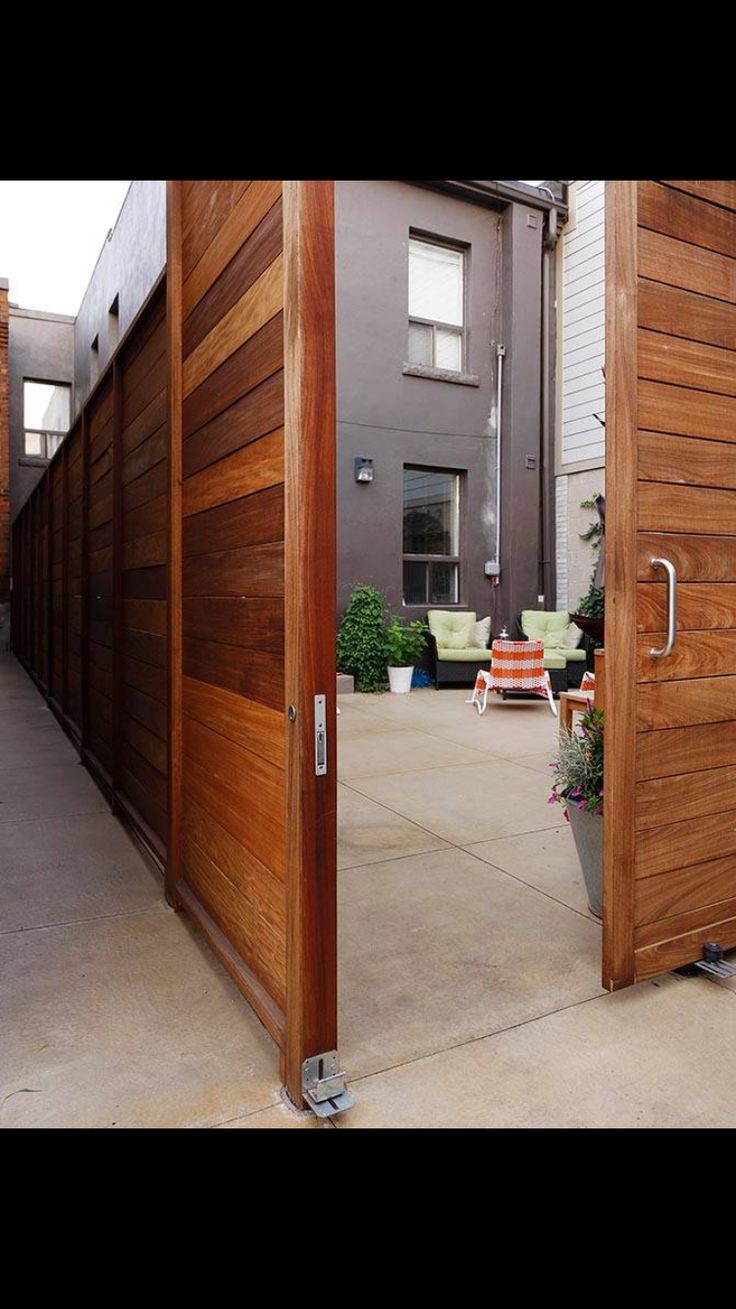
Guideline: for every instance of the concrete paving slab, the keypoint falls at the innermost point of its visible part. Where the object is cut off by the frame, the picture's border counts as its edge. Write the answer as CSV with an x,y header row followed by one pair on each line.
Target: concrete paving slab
x,y
62,870
279,1116
438,949
547,860
126,1022
368,833
379,753
662,1054
48,791
467,803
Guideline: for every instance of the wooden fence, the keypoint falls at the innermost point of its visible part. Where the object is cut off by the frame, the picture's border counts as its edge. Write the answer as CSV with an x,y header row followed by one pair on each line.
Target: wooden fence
x,y
90,578
174,589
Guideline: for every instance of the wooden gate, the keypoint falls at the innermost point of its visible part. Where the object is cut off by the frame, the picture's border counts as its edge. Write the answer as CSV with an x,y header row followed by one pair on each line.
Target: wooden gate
x,y
252,832
670,784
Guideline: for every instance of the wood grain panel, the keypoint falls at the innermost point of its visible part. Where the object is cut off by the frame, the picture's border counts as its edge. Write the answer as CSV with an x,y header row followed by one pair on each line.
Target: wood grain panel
x,y
685,750
251,260
149,777
674,799
145,646
695,655
255,571
259,884
700,605
684,889
691,413
719,193
144,677
256,832
259,674
256,413
144,584
675,845
680,263
256,360
149,486
149,419
260,946
146,615
206,209
255,726
260,303
686,363
145,551
151,747
669,508
252,520
668,929
685,704
252,206
686,218
686,314
255,624
703,558
254,468
142,800
145,710
146,455
686,460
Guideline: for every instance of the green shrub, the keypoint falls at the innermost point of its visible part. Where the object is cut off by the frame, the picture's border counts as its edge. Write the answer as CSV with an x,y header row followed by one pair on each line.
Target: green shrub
x,y
361,639
405,642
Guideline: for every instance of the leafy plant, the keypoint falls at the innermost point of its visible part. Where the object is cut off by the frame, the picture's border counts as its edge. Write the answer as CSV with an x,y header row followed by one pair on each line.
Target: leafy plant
x,y
594,530
405,642
361,638
578,768
592,605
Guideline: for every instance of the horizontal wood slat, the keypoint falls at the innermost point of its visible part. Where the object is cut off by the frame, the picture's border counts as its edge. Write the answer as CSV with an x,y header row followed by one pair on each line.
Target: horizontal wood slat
x,y
686,314
685,217
680,409
703,558
700,605
246,722
255,307
685,750
683,459
655,959
679,362
675,845
669,508
251,469
684,889
674,799
695,655
685,704
257,570
246,214
719,193
680,263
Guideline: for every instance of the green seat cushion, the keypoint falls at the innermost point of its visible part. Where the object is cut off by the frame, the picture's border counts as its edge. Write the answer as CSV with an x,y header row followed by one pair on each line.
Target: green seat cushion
x,y
473,654
573,656
554,659
450,629
544,624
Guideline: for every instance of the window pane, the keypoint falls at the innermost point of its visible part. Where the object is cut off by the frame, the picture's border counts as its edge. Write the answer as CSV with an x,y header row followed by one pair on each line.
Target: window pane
x,y
415,582
53,441
443,584
435,283
449,351
430,512
46,405
34,444
420,344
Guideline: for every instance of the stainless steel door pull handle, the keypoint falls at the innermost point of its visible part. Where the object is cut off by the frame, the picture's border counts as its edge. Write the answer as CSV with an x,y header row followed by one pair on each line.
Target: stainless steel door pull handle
x,y
669,568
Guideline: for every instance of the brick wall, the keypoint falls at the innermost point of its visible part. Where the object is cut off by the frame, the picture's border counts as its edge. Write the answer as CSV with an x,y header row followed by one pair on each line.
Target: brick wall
x,y
4,448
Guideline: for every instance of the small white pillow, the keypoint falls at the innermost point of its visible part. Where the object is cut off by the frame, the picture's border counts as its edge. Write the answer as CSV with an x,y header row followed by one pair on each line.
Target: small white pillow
x,y
480,633
570,639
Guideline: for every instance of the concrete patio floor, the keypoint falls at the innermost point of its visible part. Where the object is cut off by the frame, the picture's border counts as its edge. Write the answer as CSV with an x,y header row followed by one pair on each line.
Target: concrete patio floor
x,y
469,964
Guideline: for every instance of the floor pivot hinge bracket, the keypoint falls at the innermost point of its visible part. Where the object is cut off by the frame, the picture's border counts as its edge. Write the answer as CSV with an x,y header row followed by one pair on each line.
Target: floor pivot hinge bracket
x,y
323,1085
713,962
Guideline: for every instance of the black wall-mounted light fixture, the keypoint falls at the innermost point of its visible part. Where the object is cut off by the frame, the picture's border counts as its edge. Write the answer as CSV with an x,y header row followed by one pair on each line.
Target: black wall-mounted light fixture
x,y
363,469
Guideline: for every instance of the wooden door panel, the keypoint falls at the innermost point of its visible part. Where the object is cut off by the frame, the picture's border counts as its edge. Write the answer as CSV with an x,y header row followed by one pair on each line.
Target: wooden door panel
x,y
252,602
670,815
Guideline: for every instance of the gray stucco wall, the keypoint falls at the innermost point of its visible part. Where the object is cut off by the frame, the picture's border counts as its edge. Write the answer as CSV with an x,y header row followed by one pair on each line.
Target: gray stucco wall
x,y
41,348
396,419
128,265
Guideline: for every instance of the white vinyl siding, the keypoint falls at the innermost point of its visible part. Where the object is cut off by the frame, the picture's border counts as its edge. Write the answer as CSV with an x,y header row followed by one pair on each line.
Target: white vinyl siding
x,y
583,324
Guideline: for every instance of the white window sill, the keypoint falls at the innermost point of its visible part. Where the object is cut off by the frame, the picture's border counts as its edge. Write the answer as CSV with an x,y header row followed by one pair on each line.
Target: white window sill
x,y
440,374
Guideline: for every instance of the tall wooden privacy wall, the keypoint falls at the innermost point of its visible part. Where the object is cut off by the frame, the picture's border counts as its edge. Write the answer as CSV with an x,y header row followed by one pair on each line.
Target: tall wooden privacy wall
x,y
90,579
175,588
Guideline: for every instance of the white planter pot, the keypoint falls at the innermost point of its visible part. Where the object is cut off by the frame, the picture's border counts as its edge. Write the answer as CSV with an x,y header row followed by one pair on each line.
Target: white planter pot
x,y
399,679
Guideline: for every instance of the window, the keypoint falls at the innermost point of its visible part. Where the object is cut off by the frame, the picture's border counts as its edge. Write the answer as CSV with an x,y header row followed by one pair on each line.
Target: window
x,y
46,414
94,361
431,537
436,305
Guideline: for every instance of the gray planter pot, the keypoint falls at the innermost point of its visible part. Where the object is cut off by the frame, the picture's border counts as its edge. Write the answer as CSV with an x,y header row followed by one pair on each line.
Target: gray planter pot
x,y
587,831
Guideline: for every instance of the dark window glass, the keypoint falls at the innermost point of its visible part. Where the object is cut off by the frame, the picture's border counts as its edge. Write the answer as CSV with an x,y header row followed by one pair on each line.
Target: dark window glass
x,y
415,582
430,512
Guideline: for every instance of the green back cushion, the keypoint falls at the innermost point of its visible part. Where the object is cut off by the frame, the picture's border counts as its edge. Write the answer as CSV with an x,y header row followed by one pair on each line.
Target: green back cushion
x,y
545,625
450,630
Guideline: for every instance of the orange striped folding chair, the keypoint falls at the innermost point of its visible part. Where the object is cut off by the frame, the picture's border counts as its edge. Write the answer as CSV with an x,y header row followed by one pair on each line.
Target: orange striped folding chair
x,y
515,666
